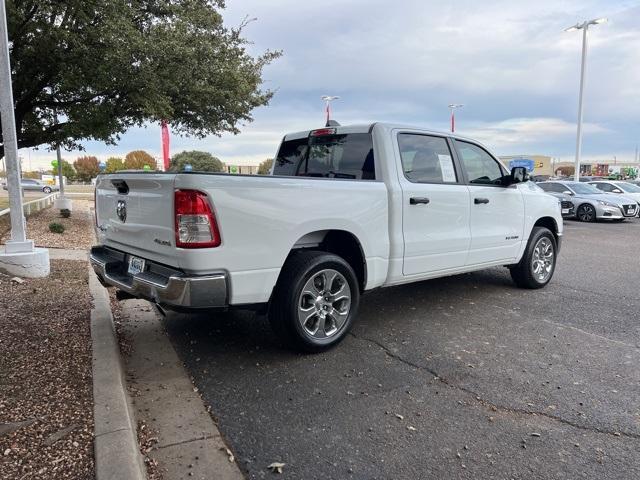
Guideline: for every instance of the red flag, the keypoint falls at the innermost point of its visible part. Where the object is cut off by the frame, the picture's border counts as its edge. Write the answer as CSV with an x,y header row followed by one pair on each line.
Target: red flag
x,y
328,114
165,145
453,122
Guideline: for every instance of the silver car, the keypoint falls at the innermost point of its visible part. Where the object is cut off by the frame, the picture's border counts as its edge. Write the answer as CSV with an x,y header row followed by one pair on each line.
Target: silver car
x,y
29,184
592,204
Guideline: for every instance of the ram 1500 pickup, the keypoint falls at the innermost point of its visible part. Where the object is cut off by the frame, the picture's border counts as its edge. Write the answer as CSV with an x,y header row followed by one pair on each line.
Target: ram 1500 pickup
x,y
345,210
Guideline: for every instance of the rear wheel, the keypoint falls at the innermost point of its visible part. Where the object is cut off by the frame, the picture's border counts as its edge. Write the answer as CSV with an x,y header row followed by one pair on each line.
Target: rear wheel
x,y
46,189
538,262
315,301
586,213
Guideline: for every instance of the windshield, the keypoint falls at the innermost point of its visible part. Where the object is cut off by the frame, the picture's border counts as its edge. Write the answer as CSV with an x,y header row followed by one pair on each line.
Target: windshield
x,y
582,188
628,187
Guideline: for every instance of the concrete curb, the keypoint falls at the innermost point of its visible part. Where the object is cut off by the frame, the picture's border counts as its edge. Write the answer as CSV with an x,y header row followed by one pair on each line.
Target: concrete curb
x,y
117,455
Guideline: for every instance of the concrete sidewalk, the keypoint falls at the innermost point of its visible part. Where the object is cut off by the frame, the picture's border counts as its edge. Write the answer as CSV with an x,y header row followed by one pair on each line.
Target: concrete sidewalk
x,y
189,444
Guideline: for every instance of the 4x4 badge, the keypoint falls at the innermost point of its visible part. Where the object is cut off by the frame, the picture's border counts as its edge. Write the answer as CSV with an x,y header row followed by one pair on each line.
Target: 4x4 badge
x,y
121,210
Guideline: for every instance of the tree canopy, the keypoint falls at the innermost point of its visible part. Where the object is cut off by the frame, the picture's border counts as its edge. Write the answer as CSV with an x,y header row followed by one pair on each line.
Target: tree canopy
x,y
114,164
137,160
67,170
265,166
87,167
199,161
90,69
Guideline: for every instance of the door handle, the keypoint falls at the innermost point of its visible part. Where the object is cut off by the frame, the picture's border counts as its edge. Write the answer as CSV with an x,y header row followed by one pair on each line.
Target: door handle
x,y
418,200
478,201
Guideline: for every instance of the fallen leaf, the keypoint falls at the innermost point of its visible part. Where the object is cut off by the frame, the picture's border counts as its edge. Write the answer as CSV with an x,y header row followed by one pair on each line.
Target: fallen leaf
x,y
229,454
276,467
399,416
413,429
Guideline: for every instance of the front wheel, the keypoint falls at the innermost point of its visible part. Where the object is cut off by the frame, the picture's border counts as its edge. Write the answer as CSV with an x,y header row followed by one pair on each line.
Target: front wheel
x,y
315,301
538,262
586,213
46,189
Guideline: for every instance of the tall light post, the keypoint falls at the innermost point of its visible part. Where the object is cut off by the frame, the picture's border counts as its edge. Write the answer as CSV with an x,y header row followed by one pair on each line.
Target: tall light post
x,y
18,256
584,26
327,101
452,107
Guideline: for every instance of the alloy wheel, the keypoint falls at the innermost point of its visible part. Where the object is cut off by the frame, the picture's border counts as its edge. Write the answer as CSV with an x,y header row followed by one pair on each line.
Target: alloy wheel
x,y
542,261
324,304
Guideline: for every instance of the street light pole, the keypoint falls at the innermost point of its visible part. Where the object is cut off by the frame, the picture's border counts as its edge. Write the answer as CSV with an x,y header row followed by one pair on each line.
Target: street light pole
x,y
584,26
327,101
10,141
18,256
452,107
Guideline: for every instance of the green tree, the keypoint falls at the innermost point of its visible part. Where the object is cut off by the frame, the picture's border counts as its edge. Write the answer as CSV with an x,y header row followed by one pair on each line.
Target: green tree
x,y
114,164
199,161
90,69
137,159
67,171
265,167
86,168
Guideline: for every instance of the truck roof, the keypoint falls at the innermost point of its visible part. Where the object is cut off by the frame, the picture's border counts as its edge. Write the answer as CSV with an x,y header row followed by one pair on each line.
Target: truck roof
x,y
367,127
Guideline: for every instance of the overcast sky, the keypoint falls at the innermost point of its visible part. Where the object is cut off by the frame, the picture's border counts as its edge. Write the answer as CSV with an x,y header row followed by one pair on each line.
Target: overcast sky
x,y
509,62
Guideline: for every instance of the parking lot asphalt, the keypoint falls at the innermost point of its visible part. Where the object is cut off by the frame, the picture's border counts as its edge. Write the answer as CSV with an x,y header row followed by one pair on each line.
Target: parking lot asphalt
x,y
462,377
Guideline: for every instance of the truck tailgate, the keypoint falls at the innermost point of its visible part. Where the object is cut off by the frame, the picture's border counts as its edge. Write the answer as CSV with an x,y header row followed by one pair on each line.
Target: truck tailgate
x,y
134,213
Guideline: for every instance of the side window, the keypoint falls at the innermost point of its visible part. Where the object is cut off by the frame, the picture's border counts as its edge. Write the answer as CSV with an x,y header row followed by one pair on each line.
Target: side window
x,y
547,187
481,167
605,187
426,159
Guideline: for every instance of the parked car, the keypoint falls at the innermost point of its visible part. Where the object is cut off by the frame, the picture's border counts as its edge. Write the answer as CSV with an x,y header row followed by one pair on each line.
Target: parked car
x,y
567,208
619,187
346,209
35,185
593,204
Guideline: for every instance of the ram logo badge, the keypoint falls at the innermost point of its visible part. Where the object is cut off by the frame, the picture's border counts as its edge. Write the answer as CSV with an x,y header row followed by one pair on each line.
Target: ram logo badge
x,y
121,210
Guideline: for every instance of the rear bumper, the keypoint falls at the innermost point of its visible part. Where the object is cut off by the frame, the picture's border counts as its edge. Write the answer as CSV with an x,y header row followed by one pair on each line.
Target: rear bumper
x,y
166,286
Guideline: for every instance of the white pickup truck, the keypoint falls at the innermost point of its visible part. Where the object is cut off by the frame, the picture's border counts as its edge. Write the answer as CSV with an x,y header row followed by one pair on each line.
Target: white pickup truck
x,y
345,210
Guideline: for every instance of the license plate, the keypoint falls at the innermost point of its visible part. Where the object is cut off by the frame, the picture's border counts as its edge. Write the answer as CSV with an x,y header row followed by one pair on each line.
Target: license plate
x,y
565,210
136,265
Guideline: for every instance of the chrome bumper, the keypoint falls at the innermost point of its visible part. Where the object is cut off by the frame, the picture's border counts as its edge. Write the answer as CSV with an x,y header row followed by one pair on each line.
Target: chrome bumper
x,y
168,287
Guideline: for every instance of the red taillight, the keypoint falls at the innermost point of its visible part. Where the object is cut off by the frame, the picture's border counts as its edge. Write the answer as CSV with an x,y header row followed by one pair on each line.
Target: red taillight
x,y
196,225
322,131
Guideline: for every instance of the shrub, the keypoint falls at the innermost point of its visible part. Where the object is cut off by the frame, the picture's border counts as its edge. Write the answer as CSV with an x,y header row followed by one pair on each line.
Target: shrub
x,y
56,227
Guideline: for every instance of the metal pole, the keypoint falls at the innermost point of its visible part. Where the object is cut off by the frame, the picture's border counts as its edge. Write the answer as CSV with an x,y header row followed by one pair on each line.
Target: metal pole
x,y
583,67
10,141
60,182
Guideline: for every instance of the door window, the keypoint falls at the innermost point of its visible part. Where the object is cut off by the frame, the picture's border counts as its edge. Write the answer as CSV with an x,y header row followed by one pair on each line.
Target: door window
x,y
605,187
426,159
481,167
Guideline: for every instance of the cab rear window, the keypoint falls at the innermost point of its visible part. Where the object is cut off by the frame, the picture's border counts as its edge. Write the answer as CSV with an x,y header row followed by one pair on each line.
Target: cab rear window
x,y
348,156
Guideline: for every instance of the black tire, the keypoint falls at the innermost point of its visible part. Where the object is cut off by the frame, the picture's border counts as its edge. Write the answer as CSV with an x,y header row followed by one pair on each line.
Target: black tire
x,y
586,213
300,268
47,190
522,273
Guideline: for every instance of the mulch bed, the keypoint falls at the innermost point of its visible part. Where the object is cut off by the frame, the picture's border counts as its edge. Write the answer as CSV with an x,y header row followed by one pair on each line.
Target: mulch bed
x,y
46,404
78,234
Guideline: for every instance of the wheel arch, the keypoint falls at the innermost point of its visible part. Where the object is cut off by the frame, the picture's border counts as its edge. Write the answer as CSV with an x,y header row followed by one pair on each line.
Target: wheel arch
x,y
550,223
339,242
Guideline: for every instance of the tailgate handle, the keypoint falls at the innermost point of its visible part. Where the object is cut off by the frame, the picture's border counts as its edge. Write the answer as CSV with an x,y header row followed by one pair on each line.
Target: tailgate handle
x,y
121,186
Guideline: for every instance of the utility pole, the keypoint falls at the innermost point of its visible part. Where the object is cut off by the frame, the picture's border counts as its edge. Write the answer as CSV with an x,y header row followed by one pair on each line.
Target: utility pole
x,y
584,26
18,256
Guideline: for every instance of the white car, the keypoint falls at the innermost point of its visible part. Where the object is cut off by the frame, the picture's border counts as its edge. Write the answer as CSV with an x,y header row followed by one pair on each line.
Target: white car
x,y
619,187
346,209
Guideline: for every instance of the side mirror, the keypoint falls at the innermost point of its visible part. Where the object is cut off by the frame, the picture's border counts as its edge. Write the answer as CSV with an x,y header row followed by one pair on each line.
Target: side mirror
x,y
567,192
616,190
518,175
